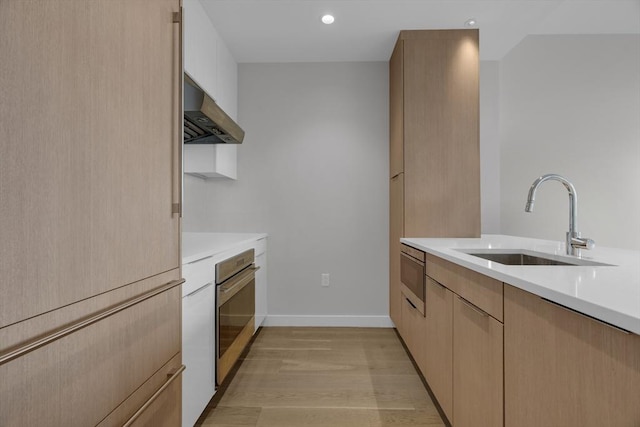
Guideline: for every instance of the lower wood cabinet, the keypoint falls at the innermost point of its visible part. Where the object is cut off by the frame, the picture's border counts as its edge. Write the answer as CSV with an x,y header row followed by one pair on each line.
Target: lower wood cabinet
x,y
438,338
477,367
81,378
543,365
157,402
412,331
396,231
565,369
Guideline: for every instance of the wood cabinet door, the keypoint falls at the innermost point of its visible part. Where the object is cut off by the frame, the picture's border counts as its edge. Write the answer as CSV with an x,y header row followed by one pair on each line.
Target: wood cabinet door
x,y
412,332
164,410
441,133
396,231
565,369
79,379
477,367
438,337
89,136
396,112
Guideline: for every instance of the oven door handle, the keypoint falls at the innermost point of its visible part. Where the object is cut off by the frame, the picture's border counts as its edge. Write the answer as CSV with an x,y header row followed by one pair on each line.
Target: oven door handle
x,y
241,280
227,290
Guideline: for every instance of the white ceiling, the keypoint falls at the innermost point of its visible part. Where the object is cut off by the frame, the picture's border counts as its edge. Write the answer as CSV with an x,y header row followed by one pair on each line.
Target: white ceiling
x,y
366,30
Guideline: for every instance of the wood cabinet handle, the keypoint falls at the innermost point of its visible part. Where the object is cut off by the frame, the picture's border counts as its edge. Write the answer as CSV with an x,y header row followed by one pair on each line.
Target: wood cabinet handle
x,y
473,307
617,328
410,303
440,285
172,376
83,323
242,279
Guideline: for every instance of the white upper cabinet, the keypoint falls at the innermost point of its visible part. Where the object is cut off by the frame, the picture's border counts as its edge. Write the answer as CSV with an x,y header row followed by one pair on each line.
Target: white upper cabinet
x,y
208,61
200,47
227,81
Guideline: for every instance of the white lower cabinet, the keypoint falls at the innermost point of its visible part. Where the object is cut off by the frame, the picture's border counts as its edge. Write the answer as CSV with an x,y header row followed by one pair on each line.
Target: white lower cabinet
x,y
199,307
261,282
198,346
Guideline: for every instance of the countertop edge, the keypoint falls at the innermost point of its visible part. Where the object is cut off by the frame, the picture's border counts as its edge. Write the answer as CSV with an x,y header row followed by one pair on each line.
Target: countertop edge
x,y
218,243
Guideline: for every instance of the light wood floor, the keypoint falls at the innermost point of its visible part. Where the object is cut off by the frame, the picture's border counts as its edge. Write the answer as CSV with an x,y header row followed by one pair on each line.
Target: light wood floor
x,y
333,377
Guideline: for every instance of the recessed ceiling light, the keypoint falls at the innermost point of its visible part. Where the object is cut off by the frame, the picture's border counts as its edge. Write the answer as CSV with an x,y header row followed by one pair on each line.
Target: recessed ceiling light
x,y
328,19
470,23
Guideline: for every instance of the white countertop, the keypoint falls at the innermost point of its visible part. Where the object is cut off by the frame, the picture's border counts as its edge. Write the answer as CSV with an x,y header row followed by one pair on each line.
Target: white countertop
x,y
196,246
608,293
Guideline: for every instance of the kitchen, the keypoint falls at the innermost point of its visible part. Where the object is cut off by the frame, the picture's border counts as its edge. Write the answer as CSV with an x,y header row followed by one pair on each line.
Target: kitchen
x,y
333,138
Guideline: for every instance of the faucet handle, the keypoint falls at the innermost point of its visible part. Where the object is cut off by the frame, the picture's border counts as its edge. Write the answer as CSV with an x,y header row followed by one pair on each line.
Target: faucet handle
x,y
582,243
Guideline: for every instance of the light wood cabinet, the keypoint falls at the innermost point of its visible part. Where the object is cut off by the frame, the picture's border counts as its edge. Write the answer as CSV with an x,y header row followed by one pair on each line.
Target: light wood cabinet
x,y
433,140
565,369
80,378
413,325
154,402
483,291
396,231
438,338
87,154
477,367
497,355
90,234
434,131
464,343
396,122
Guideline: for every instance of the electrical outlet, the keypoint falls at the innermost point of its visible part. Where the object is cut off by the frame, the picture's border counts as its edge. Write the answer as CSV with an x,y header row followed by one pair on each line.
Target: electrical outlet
x,y
325,279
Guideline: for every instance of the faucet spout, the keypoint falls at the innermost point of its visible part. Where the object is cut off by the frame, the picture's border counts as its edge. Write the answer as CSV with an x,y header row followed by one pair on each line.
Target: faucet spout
x,y
573,240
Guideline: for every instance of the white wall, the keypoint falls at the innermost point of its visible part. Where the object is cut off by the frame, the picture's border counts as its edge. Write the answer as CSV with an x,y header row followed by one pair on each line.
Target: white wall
x,y
313,174
571,105
490,146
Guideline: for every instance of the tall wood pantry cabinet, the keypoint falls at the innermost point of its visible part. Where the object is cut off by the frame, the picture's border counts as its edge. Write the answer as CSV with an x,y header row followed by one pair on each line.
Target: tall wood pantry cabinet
x,y
90,133
434,142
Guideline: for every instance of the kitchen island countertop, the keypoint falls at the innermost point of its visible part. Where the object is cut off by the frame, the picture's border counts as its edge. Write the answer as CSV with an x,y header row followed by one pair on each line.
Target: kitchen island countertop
x,y
608,293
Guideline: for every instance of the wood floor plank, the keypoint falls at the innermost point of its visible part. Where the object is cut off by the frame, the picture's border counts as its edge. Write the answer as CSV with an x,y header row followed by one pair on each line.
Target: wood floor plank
x,y
334,377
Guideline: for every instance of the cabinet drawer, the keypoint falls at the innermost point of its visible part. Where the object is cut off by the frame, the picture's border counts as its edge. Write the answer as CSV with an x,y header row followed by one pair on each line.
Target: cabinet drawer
x,y
261,247
413,325
77,380
162,396
197,274
415,253
482,291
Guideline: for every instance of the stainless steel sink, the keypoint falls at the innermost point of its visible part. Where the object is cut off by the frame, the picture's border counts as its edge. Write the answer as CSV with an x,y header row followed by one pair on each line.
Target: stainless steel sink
x,y
525,257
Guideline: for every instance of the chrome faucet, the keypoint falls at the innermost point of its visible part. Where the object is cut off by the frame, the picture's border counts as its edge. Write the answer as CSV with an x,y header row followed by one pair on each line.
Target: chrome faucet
x,y
573,240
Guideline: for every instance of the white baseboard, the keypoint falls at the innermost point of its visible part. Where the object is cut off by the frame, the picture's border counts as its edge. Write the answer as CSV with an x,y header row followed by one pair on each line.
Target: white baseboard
x,y
329,321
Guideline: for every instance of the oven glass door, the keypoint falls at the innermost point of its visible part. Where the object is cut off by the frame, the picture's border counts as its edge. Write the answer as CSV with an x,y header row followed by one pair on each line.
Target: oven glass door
x,y
234,315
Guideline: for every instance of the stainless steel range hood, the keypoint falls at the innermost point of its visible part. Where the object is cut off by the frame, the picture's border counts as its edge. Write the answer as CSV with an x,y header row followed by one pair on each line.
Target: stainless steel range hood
x,y
204,121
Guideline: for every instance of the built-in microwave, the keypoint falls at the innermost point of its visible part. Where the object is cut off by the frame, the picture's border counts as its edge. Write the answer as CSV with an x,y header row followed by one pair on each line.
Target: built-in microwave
x,y
412,276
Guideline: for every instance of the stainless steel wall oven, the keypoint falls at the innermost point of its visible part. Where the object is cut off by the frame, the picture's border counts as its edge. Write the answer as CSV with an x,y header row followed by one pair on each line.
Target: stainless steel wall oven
x,y
235,296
